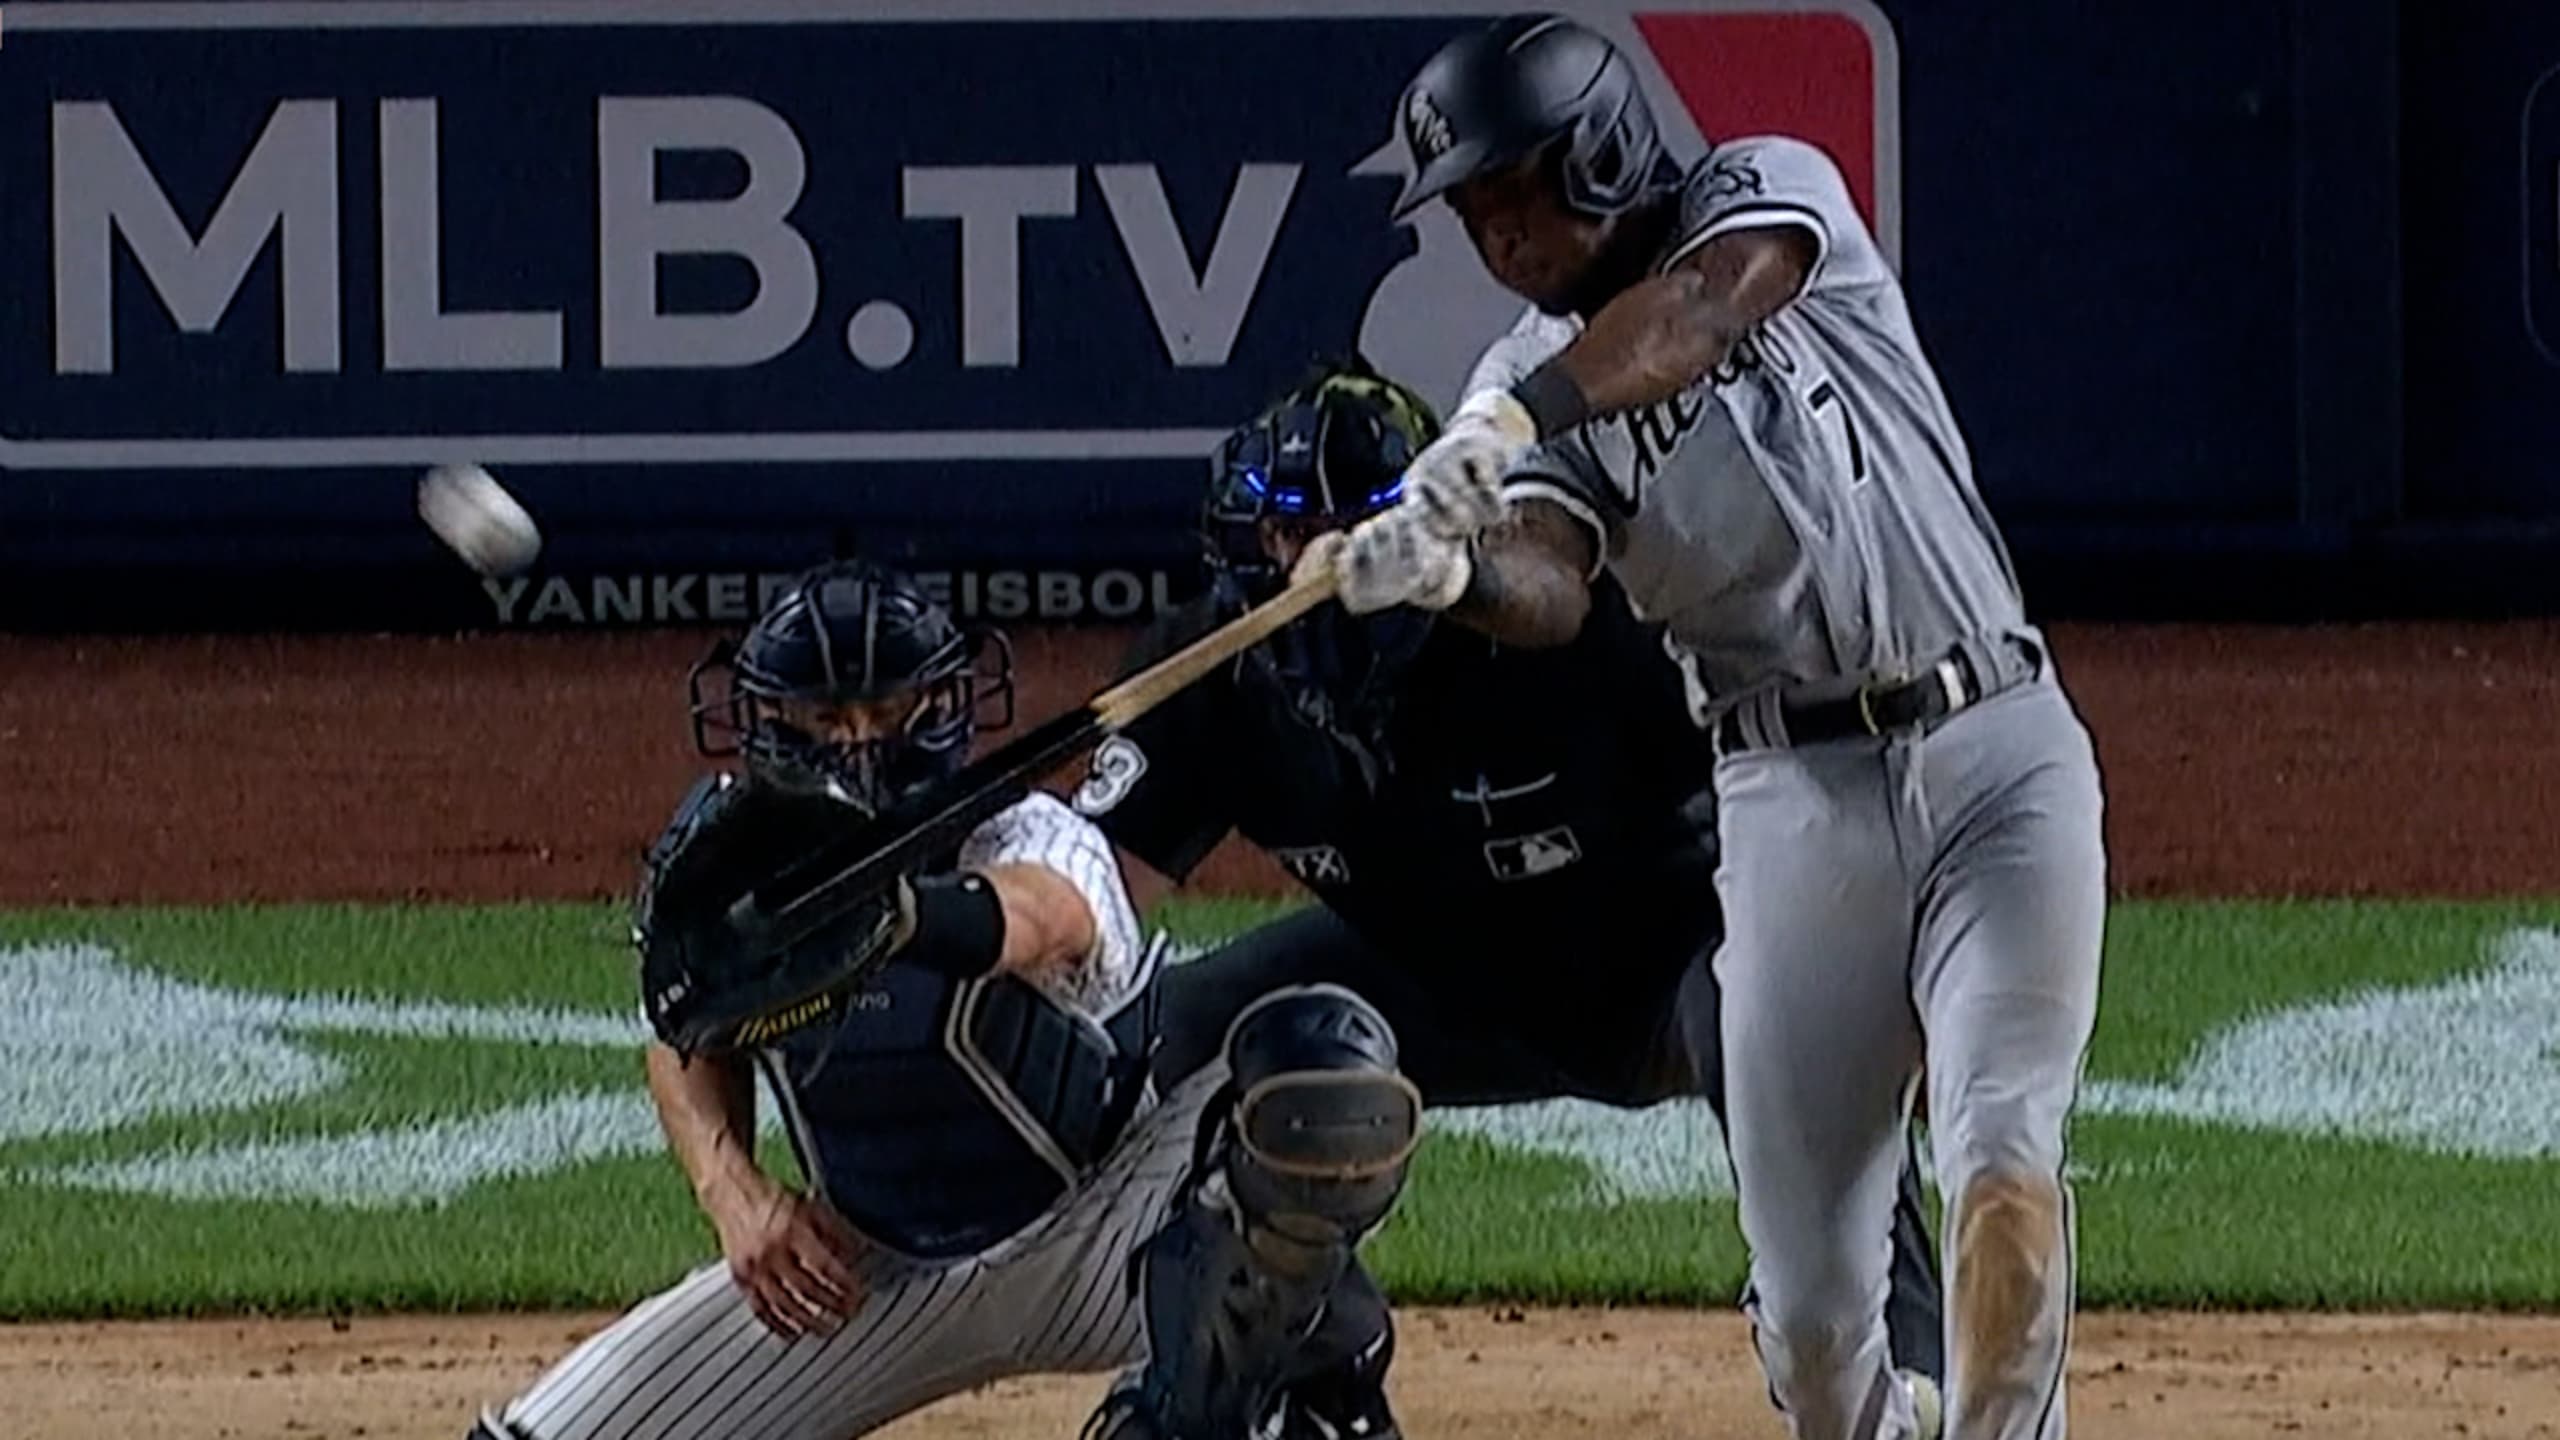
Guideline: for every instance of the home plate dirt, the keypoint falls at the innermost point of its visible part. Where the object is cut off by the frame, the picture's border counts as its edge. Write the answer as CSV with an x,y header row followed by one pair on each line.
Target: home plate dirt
x,y
1548,1374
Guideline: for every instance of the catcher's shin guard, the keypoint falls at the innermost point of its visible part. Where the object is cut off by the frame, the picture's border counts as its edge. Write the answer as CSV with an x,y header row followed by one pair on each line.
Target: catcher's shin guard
x,y
1340,1391
1307,1159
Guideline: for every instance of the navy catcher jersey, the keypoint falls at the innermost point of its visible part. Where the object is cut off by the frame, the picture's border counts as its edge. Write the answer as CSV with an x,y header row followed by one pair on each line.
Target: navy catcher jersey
x,y
942,1115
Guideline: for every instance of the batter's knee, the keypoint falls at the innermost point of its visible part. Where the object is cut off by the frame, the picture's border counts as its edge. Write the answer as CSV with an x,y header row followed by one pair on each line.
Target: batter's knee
x,y
491,1427
1814,1324
1814,1342
1973,1134
1815,1354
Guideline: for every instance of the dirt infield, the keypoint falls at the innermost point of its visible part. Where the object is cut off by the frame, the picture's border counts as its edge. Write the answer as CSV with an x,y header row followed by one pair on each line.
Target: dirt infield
x,y
1539,1375
2354,760
2406,760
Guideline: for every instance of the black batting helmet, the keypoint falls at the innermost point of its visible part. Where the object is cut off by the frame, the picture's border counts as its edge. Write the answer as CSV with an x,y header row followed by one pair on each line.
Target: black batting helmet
x,y
842,634
1493,98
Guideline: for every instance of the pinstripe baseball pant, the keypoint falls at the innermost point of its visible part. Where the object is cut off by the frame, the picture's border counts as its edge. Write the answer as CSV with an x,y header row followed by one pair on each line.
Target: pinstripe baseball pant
x,y
693,1363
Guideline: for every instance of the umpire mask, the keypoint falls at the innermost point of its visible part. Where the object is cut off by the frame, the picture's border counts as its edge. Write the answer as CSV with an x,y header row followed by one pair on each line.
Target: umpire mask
x,y
1327,454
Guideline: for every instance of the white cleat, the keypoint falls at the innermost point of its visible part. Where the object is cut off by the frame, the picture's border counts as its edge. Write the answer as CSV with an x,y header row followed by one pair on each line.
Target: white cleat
x,y
1928,1407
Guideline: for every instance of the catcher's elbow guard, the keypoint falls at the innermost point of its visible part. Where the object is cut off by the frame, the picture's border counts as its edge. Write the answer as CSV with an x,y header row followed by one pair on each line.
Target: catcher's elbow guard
x,y
959,925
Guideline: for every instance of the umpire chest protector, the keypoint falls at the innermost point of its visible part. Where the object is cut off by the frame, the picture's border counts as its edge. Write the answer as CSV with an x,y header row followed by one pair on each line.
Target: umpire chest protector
x,y
943,1115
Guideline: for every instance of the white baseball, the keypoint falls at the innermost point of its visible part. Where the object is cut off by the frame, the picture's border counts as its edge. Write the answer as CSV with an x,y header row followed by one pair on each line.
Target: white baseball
x,y
471,512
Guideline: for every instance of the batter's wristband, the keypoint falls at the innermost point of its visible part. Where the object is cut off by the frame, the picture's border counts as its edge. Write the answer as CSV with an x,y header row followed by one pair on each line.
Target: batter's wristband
x,y
1552,399
959,925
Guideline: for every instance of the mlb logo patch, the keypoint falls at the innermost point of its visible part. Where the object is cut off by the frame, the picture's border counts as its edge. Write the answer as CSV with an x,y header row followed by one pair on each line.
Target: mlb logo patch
x,y
1526,857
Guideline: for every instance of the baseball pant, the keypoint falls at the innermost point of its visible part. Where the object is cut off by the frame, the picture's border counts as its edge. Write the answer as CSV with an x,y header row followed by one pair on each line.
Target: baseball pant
x,y
694,1363
1960,877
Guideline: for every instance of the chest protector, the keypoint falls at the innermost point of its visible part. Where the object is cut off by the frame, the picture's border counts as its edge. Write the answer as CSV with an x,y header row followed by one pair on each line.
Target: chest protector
x,y
944,1115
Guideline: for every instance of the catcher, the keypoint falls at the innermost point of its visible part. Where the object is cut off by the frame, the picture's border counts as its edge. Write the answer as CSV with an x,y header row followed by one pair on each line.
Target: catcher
x,y
994,1186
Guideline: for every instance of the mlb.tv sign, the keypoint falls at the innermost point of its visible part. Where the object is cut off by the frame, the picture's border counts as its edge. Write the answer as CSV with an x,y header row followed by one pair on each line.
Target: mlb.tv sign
x,y
245,236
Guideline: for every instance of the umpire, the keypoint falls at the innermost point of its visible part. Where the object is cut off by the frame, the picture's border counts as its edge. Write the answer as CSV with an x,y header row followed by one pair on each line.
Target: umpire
x,y
1514,849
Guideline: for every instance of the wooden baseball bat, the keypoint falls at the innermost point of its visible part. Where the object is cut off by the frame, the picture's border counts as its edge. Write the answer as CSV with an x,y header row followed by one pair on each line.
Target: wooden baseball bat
x,y
831,883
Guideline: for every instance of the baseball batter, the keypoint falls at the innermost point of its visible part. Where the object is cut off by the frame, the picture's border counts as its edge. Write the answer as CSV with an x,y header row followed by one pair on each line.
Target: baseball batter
x,y
1718,394
1467,815
994,1185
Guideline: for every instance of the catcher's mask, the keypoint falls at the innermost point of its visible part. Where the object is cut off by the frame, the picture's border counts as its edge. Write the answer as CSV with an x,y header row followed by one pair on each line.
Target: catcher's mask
x,y
1326,455
852,634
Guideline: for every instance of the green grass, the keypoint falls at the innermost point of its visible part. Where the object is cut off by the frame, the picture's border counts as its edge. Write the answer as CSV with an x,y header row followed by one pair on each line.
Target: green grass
x,y
2174,969
483,954
2174,1209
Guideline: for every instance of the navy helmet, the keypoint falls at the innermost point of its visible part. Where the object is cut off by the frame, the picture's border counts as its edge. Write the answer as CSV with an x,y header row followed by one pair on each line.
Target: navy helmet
x,y
1329,453
845,633
1499,95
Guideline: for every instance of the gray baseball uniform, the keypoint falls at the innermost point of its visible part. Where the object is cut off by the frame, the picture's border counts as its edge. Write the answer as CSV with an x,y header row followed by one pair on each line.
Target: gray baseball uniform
x,y
1803,522
1052,1295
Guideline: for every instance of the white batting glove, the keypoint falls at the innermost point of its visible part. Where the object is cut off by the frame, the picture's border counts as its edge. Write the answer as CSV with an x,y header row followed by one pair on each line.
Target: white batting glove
x,y
1397,559
1455,484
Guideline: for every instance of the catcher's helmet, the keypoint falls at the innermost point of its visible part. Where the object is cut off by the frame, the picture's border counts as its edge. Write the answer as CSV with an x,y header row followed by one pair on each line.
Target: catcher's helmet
x,y
1493,98
844,633
1330,452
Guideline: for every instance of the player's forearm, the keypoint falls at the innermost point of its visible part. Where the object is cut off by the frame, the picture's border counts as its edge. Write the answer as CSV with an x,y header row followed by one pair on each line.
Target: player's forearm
x,y
1672,333
707,1107
1662,335
1520,600
1529,587
1022,919
1048,927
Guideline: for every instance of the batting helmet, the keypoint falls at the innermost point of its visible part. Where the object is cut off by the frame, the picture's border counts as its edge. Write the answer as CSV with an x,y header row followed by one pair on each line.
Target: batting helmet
x,y
1493,98
846,633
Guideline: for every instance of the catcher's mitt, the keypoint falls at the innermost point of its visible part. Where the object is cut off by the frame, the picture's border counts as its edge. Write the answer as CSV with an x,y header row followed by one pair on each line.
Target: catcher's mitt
x,y
706,991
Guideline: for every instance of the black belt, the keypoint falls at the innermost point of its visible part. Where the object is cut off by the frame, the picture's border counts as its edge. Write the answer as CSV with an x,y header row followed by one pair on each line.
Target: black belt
x,y
1878,708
